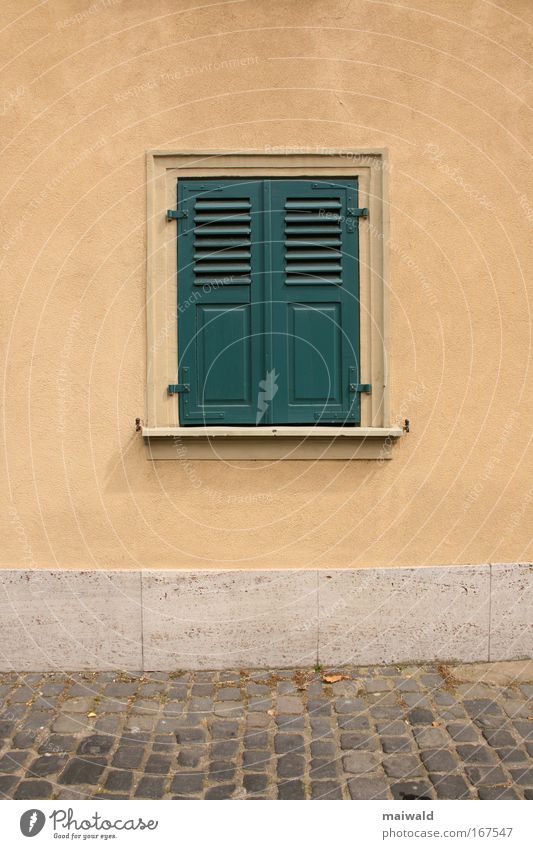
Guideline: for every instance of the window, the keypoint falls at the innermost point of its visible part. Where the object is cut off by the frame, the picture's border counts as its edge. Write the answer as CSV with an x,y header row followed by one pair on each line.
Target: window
x,y
273,303
268,302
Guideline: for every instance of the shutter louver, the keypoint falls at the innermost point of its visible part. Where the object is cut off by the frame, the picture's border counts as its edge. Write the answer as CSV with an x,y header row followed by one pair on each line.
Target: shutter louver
x,y
222,241
313,241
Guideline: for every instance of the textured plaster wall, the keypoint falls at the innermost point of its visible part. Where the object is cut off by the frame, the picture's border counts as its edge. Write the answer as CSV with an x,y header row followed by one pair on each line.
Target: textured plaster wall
x,y
86,89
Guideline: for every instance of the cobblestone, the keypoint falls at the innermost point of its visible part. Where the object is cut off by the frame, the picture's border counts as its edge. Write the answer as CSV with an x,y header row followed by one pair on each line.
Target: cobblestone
x,y
380,733
291,790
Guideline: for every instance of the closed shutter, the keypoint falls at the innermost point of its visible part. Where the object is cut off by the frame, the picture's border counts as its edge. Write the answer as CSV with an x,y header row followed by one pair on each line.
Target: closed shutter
x,y
220,300
315,301
268,302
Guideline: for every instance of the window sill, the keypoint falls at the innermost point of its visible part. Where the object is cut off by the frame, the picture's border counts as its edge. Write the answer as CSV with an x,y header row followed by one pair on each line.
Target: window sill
x,y
270,443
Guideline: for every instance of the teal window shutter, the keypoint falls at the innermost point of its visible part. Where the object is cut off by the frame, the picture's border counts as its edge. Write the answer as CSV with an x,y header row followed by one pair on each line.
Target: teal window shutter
x,y
315,301
220,300
268,302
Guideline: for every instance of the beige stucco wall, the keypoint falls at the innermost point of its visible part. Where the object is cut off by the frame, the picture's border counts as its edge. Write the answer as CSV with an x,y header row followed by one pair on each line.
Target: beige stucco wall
x,y
86,90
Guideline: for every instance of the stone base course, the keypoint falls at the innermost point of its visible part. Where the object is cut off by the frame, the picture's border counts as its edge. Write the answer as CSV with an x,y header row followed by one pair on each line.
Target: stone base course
x,y
217,619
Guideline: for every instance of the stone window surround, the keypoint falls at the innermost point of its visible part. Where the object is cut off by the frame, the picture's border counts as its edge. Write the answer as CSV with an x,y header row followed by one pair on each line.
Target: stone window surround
x,y
164,437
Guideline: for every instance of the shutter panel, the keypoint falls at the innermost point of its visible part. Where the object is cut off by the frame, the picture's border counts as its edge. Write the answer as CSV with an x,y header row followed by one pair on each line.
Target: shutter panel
x,y
268,302
220,300
315,301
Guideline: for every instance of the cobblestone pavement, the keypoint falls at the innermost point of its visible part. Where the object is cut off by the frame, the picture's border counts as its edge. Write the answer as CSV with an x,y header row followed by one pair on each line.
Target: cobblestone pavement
x,y
382,732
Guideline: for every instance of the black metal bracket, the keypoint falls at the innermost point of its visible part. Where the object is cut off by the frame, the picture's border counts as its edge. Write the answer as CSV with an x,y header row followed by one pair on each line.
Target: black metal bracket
x,y
361,387
357,213
173,214
176,388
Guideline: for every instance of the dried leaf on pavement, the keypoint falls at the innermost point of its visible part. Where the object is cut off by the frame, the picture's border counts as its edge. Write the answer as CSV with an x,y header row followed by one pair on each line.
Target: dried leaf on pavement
x,y
333,679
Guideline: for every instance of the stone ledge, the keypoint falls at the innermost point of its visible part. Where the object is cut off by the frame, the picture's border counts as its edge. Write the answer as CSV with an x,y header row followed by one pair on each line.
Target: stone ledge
x,y
270,443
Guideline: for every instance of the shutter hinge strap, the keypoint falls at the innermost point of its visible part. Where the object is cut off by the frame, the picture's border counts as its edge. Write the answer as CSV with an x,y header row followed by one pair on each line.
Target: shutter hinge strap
x,y
173,214
357,213
361,387
176,388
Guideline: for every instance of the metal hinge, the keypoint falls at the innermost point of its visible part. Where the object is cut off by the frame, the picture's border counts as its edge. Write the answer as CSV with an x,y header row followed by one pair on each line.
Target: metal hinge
x,y
176,388
353,386
173,214
361,387
353,213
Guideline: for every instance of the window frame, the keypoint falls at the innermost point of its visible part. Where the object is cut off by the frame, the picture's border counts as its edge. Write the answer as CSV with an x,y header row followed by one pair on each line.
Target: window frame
x,y
375,433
